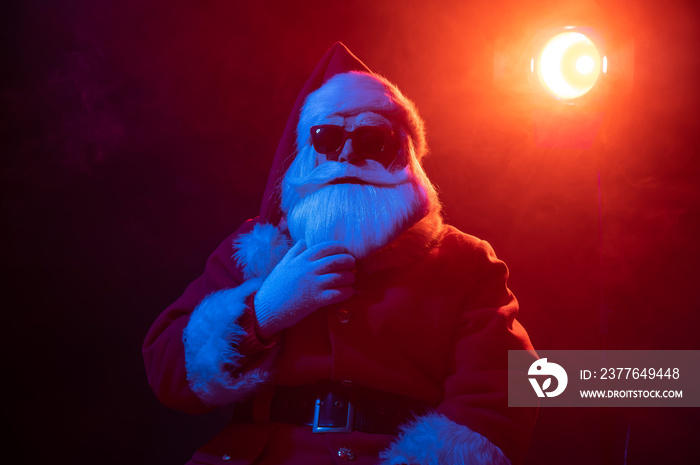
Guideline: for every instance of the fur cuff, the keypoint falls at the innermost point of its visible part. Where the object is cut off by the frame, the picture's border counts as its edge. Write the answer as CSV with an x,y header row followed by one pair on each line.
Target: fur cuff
x,y
433,439
260,250
211,339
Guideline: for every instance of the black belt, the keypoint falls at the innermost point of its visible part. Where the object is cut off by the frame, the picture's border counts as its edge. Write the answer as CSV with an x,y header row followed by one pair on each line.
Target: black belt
x,y
340,408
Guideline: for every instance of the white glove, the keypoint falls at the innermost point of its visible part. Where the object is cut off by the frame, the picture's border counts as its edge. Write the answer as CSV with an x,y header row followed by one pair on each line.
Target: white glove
x,y
304,281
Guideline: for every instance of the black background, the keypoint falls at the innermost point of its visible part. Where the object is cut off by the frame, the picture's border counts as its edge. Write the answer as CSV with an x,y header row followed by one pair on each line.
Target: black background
x,y
136,135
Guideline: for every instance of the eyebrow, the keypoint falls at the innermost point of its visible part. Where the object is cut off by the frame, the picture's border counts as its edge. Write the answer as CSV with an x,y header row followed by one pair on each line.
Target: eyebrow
x,y
372,118
364,118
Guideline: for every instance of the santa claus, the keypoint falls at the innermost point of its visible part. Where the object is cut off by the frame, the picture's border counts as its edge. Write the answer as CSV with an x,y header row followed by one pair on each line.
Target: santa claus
x,y
347,322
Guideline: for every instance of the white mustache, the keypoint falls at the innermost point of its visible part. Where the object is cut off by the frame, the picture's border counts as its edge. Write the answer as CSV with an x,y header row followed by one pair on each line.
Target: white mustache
x,y
333,172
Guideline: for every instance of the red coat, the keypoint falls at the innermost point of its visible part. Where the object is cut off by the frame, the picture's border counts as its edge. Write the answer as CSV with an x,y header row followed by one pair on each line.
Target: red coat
x,y
433,322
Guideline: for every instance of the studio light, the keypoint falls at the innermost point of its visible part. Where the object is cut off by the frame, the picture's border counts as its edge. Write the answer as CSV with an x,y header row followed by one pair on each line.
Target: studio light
x,y
565,76
569,64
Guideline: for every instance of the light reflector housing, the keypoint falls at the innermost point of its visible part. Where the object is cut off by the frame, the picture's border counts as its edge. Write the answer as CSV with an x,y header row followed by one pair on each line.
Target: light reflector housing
x,y
569,65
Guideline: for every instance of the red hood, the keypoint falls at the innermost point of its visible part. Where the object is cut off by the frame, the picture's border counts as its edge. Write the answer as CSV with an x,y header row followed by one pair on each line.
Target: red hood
x,y
338,59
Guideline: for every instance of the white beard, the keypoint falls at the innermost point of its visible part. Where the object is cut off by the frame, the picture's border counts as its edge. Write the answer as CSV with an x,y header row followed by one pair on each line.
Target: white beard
x,y
364,217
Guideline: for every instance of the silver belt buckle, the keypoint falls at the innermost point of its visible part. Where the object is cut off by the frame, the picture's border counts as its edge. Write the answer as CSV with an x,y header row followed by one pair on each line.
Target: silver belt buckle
x,y
349,425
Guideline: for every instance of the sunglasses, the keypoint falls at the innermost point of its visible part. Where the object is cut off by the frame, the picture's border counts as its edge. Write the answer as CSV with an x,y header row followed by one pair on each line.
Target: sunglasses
x,y
368,141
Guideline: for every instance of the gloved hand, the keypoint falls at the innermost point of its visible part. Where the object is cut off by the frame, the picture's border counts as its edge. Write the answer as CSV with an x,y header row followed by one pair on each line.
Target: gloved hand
x,y
304,281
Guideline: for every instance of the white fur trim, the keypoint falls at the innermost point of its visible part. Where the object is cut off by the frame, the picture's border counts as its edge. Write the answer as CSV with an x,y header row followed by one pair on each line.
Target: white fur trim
x,y
210,339
260,250
433,439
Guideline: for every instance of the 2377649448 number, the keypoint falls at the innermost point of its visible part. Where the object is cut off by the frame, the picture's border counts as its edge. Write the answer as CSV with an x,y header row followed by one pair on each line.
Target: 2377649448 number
x,y
639,373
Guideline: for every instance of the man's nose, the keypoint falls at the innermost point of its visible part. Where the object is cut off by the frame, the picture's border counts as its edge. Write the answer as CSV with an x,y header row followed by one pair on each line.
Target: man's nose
x,y
348,154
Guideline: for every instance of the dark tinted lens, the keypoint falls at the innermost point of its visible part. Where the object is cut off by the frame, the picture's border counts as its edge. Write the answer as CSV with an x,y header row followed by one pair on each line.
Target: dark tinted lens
x,y
369,141
327,139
